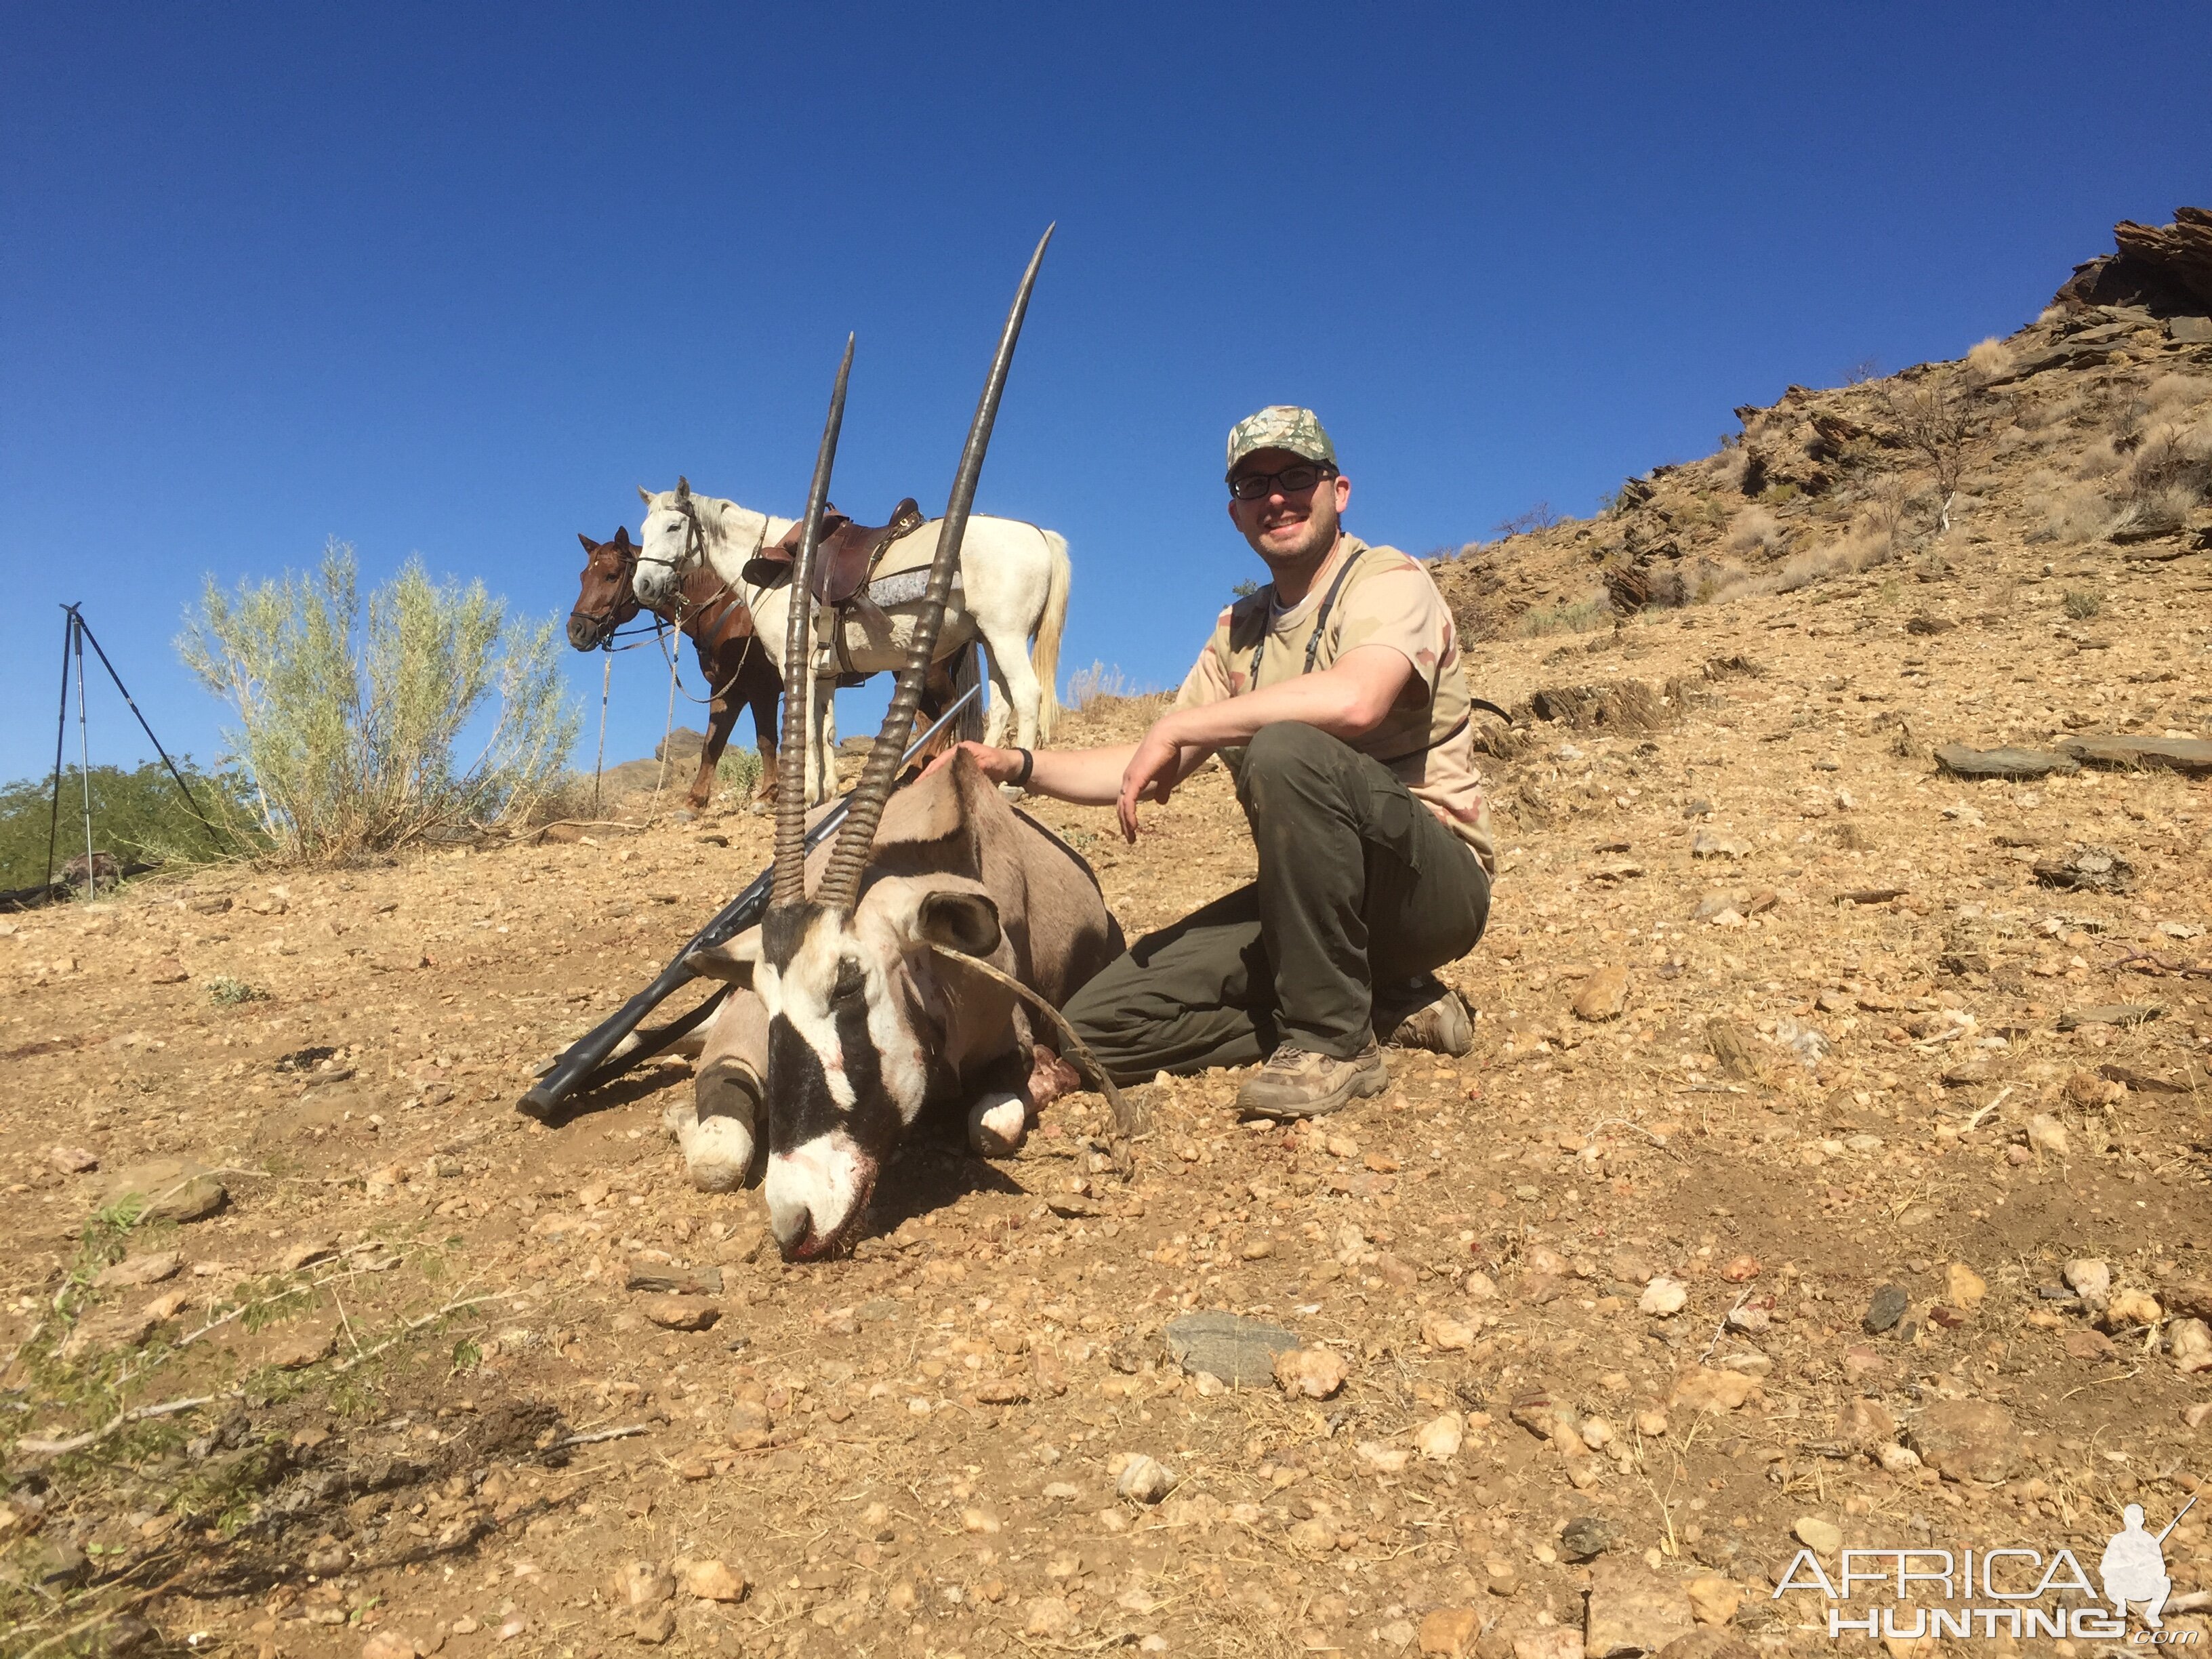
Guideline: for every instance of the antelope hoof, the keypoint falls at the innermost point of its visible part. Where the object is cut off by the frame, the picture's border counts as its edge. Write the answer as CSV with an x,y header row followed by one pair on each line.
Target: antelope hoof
x,y
718,1153
998,1124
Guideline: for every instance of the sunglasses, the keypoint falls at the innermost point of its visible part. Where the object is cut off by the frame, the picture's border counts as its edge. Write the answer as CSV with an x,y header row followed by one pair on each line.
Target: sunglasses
x,y
1292,480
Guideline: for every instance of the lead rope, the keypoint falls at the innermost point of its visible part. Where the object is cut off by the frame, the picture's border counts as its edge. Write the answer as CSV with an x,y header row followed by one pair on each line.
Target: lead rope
x,y
598,765
671,731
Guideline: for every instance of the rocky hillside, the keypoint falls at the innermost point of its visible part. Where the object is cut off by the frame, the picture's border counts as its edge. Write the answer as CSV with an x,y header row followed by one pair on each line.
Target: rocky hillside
x,y
2088,432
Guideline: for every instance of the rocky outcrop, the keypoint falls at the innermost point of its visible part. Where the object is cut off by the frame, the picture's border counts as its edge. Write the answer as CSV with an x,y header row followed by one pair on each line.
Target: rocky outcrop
x,y
2165,269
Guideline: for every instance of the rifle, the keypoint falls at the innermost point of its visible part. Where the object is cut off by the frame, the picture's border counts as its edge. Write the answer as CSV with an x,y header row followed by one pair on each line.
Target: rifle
x,y
615,1044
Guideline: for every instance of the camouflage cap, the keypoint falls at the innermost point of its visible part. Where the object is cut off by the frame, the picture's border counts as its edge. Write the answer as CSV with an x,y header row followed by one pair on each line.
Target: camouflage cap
x,y
1281,426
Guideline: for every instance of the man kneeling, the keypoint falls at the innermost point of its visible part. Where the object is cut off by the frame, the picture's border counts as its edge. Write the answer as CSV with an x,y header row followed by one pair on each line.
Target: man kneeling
x,y
1336,697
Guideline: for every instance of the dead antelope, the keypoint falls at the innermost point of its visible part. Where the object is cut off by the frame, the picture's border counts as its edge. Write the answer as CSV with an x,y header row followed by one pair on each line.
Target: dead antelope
x,y
853,1010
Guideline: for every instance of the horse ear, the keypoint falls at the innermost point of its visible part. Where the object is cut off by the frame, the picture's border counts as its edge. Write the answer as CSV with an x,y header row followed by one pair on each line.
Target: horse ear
x,y
645,495
683,488
590,546
621,535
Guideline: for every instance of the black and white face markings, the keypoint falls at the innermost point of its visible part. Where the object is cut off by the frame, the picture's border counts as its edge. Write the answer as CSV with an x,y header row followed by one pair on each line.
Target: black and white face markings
x,y
845,1075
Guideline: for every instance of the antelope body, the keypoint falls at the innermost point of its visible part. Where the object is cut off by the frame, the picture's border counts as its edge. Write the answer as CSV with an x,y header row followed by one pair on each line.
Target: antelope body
x,y
864,1025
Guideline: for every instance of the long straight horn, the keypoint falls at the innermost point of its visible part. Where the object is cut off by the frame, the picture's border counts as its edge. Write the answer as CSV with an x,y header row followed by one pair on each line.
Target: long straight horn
x,y
841,882
790,885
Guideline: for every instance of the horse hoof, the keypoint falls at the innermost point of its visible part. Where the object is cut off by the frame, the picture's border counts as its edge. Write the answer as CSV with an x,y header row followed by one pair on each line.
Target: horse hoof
x,y
997,1125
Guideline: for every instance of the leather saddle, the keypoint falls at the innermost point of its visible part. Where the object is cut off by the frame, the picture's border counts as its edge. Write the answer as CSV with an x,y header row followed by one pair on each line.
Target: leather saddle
x,y
845,558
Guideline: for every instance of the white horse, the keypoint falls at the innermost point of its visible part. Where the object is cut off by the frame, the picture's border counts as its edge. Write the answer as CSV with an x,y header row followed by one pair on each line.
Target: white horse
x,y
1012,588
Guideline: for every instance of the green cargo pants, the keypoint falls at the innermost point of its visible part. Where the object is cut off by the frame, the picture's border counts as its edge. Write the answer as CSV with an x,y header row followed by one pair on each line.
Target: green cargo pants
x,y
1359,887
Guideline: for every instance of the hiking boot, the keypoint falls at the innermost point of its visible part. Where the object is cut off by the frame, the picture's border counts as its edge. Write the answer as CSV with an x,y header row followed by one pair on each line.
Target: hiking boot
x,y
1295,1083
1443,1024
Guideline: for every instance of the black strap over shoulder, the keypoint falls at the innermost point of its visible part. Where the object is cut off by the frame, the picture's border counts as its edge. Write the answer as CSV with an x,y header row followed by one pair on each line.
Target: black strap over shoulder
x,y
1321,624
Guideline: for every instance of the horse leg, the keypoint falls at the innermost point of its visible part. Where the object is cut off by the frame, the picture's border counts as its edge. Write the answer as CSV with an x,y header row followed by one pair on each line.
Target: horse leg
x,y
825,739
1014,682
722,719
766,688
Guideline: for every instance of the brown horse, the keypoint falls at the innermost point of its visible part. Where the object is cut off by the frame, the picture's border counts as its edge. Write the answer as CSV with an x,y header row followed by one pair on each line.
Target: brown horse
x,y
740,671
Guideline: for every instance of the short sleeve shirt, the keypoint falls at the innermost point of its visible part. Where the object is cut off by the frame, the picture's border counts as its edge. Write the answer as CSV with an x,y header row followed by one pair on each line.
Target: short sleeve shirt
x,y
1386,598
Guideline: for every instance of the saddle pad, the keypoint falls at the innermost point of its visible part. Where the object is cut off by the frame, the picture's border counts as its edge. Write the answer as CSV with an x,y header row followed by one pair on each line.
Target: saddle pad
x,y
908,587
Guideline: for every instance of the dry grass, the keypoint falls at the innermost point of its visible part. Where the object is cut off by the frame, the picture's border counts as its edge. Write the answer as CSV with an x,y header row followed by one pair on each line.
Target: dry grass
x,y
1989,359
1754,534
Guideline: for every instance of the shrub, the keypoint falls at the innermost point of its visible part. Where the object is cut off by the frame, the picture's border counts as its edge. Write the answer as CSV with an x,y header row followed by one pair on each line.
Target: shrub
x,y
1086,685
2082,602
347,731
1753,532
739,771
1988,360
136,816
1539,517
1583,616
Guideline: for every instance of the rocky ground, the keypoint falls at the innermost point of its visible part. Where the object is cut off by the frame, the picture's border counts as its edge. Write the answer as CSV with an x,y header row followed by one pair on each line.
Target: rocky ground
x,y
1831,1171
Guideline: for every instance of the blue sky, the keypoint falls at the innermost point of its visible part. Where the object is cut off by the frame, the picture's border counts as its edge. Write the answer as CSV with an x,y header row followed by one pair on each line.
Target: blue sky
x,y
453,279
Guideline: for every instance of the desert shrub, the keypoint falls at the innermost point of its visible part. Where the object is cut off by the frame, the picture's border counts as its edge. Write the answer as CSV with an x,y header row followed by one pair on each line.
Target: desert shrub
x,y
348,729
1582,616
2100,460
1989,359
2171,395
1936,422
1087,685
1539,517
2081,514
1754,532
738,771
2082,602
137,816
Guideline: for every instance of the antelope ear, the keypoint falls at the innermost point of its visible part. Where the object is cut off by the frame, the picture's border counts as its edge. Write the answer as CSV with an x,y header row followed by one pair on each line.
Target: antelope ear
x,y
963,921
645,495
732,962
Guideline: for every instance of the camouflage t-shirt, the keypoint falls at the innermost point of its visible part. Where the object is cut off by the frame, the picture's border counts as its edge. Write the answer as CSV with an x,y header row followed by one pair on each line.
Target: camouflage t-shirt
x,y
1427,740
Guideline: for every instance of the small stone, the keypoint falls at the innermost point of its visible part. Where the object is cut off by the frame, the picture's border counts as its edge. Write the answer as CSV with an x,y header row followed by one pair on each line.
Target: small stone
x,y
981,1522
1383,1460
166,970
2193,1416
1632,1610
1740,1269
2189,1341
388,1644
1864,1423
2131,1309
1585,1538
1663,1298
1897,1459
642,1585
296,1351
73,1160
1501,1576
1885,1309
1313,1373
1446,1335
1450,1631
2045,1133
168,1189
651,1630
1962,1286
1714,1391
137,1270
1713,1598
1240,1352
2088,1278
1967,1440
1558,1642
1821,1537
1604,995
1651,1424
1049,1616
681,1313
1439,1439
304,1254
1145,1479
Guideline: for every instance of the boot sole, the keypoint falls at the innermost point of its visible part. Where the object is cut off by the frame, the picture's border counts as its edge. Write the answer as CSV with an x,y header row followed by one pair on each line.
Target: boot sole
x,y
1366,1082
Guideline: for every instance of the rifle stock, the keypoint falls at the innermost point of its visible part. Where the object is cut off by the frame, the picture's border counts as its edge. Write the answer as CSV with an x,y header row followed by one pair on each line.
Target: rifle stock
x,y
591,1060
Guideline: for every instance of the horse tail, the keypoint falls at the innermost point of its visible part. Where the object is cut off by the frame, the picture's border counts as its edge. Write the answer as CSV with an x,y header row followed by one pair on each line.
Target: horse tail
x,y
967,670
1044,654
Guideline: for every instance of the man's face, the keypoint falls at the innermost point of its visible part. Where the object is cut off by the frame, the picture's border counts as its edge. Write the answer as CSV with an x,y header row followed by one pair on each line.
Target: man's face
x,y
1287,528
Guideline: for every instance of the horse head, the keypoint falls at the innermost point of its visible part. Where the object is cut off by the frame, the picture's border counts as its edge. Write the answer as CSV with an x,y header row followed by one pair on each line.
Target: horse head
x,y
605,599
671,541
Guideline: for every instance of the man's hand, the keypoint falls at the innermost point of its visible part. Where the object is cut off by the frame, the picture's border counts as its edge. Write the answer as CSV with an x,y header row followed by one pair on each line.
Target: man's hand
x,y
1151,774
999,765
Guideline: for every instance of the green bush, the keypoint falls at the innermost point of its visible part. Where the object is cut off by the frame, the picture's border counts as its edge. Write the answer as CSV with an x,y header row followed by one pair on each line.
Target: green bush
x,y
138,818
347,731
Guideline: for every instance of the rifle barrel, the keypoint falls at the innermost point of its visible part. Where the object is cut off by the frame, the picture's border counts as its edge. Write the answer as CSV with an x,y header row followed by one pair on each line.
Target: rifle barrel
x,y
579,1065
